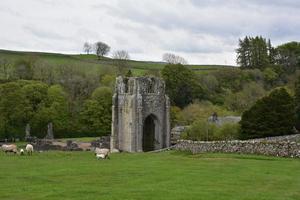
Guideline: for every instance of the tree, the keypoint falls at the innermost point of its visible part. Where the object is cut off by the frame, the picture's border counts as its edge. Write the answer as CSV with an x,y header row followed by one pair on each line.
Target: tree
x,y
14,108
297,103
270,75
272,115
32,102
272,52
45,72
243,53
5,67
175,116
87,47
96,114
23,69
173,59
121,55
121,58
108,81
129,73
181,85
288,55
101,49
255,52
54,108
36,94
244,99
77,84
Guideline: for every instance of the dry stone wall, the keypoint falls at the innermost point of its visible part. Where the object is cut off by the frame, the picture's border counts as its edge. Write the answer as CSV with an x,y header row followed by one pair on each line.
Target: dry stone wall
x,y
278,146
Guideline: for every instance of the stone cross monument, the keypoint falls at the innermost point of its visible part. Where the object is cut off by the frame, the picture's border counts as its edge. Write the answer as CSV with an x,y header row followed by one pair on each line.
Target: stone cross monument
x,y
140,115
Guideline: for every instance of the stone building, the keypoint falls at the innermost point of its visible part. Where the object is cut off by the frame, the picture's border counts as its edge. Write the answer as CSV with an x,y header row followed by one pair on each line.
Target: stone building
x,y
140,115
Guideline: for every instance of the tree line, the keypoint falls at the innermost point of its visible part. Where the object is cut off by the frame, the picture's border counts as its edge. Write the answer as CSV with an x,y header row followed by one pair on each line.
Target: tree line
x,y
258,53
78,101
35,92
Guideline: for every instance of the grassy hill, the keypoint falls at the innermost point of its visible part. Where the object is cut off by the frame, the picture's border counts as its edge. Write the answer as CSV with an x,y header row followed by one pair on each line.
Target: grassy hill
x,y
91,62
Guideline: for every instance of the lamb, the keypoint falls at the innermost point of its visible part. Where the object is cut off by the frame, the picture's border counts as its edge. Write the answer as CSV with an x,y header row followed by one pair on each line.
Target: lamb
x,y
21,152
29,149
101,153
9,148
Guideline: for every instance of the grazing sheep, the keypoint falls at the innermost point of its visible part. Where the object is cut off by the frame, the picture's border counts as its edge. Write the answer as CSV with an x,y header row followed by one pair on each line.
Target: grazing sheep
x,y
21,152
101,153
9,148
115,151
29,149
99,156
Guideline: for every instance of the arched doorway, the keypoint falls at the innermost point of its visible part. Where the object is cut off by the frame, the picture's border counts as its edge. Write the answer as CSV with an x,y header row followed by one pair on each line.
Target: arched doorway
x,y
149,133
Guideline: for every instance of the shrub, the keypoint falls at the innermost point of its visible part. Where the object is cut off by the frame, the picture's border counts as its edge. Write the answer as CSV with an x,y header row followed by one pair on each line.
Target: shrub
x,y
272,115
205,131
228,131
201,130
201,111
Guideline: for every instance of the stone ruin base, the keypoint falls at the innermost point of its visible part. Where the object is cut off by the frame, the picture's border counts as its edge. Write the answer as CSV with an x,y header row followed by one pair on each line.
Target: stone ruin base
x,y
69,145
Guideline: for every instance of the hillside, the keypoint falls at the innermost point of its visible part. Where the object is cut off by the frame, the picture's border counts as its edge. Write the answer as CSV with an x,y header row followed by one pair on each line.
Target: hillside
x,y
92,63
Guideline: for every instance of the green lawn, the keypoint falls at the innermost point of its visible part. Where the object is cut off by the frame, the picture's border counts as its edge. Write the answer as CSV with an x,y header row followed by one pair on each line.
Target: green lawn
x,y
167,175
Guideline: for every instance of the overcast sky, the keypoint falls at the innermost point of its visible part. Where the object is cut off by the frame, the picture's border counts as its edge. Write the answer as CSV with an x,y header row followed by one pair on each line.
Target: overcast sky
x,y
203,32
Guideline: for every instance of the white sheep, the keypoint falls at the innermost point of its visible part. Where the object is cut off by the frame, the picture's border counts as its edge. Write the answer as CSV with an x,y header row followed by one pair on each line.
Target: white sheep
x,y
114,151
9,148
21,152
101,153
100,156
29,149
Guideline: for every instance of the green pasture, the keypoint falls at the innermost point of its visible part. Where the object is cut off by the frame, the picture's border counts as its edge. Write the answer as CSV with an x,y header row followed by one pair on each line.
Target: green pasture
x,y
167,175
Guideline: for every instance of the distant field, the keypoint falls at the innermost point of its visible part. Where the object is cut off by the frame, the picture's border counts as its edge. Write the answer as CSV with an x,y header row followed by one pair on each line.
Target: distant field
x,y
90,62
167,176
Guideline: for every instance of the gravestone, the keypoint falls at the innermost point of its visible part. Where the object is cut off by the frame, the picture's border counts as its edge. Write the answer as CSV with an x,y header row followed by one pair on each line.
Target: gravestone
x,y
27,132
50,135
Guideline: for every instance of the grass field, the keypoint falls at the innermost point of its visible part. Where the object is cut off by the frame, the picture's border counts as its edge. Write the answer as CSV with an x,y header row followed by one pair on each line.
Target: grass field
x,y
167,175
91,63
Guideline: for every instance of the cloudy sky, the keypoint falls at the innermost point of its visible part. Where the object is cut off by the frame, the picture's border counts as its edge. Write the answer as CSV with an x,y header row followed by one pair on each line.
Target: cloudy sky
x,y
203,32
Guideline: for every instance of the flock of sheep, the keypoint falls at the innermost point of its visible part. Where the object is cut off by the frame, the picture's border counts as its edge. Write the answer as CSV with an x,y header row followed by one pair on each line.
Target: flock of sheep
x,y
99,153
13,149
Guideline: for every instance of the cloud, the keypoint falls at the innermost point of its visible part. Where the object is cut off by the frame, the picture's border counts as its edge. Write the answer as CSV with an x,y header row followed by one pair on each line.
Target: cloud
x,y
204,32
46,33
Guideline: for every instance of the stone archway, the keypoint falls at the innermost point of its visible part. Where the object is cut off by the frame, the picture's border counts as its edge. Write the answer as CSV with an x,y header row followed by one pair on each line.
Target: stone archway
x,y
149,130
140,115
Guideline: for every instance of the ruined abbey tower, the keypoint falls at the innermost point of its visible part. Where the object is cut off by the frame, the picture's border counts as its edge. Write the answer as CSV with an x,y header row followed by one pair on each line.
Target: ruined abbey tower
x,y
140,115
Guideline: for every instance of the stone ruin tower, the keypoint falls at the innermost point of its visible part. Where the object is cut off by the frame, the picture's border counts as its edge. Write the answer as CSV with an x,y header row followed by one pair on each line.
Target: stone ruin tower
x,y
140,115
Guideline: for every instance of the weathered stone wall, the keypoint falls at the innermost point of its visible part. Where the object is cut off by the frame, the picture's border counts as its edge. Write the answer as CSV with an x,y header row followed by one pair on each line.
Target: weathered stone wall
x,y
69,145
278,146
135,99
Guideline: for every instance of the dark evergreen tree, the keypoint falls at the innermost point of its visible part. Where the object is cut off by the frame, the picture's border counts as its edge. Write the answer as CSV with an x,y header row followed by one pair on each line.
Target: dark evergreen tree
x,y
271,52
242,54
297,103
255,52
272,115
